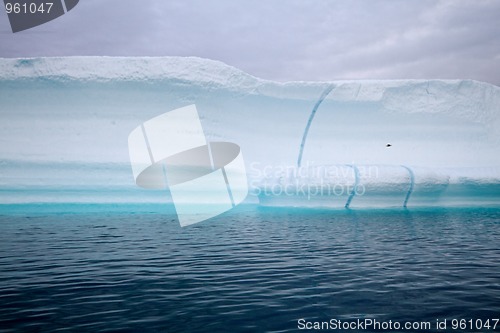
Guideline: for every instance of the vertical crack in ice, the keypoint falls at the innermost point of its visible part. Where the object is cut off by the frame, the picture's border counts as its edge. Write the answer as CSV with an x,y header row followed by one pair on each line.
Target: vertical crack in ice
x,y
356,183
357,92
309,121
412,184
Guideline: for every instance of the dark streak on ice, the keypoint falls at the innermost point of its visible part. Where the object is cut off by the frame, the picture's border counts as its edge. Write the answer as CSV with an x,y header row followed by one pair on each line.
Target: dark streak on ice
x,y
356,182
311,117
410,189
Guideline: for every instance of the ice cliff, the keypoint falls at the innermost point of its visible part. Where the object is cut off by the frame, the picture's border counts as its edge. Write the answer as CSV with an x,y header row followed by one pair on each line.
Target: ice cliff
x,y
65,122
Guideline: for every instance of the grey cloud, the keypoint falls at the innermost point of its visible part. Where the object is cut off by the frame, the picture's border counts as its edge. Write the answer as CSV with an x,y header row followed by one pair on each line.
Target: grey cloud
x,y
283,40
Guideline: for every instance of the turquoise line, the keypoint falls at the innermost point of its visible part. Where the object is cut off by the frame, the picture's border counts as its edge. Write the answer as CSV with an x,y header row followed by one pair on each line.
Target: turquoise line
x,y
412,184
311,117
356,183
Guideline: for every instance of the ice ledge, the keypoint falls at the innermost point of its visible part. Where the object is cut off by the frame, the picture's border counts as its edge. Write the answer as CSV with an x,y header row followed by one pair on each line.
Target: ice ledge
x,y
104,69
218,75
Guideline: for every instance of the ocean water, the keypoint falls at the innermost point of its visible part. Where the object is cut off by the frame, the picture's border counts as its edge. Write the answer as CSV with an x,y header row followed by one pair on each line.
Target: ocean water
x,y
250,270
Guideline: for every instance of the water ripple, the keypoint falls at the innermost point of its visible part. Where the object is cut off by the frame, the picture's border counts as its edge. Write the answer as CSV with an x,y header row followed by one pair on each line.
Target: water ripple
x,y
261,271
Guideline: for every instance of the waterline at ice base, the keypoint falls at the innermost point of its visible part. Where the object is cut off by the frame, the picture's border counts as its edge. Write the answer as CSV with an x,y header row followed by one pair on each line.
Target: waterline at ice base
x,y
339,144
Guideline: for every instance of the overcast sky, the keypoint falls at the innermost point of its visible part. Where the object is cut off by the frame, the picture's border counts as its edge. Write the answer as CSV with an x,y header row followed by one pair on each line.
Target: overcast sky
x,y
283,39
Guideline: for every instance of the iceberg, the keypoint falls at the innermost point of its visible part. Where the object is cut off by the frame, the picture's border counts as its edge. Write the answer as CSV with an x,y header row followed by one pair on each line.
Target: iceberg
x,y
341,144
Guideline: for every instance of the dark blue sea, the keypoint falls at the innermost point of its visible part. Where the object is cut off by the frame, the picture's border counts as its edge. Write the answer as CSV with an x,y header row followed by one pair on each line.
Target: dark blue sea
x,y
253,269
